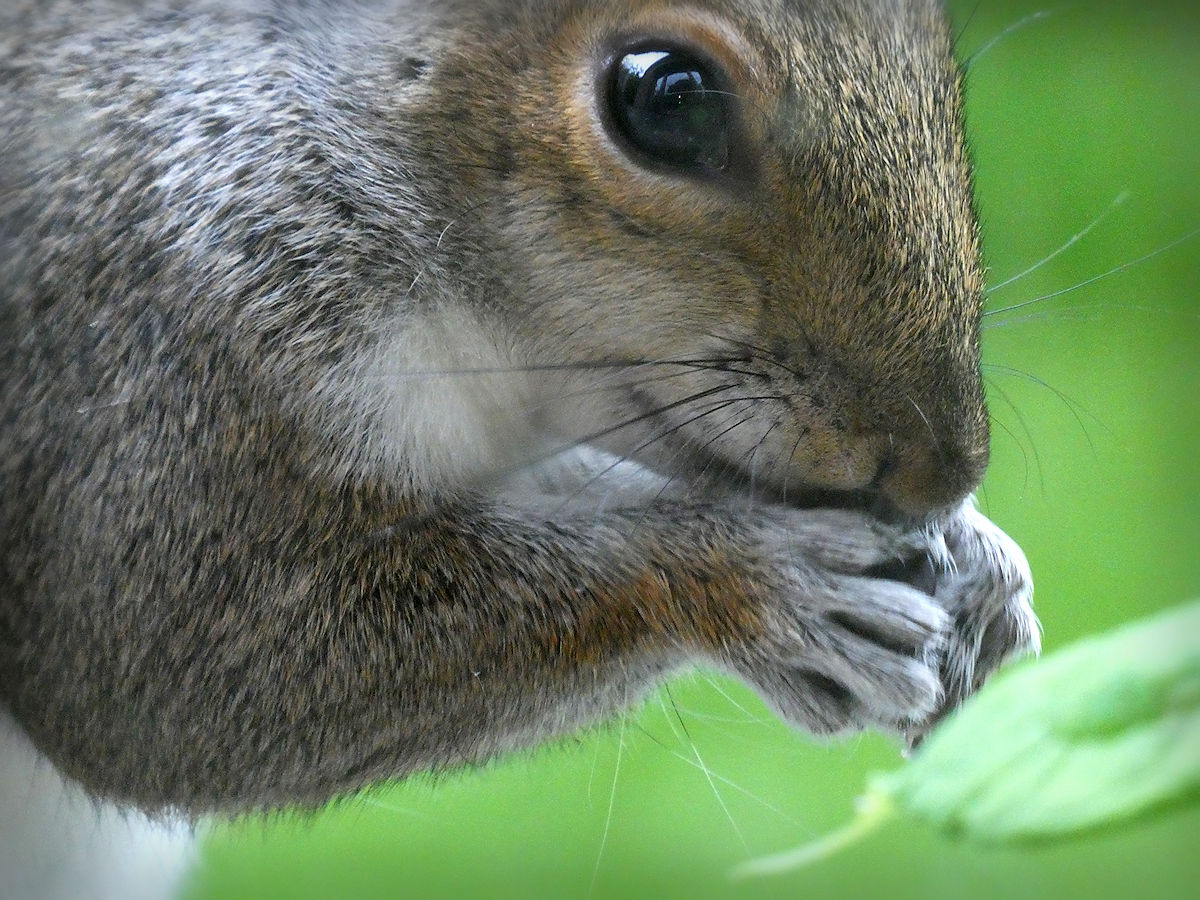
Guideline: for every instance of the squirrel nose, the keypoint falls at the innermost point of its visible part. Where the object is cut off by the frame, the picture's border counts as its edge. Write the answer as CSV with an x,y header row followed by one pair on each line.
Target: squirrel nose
x,y
926,478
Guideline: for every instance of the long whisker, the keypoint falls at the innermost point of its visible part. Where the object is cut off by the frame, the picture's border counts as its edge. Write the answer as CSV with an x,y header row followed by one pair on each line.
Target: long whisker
x,y
741,421
719,364
615,380
995,420
707,772
727,464
760,354
752,468
745,792
1037,459
615,376
1116,270
1078,410
934,439
1012,29
715,408
612,803
783,495
1090,312
655,438
962,29
602,433
679,452
1118,202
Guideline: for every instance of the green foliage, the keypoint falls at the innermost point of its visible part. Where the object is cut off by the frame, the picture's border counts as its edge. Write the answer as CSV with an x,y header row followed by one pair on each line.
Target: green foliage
x,y
1101,732
1092,735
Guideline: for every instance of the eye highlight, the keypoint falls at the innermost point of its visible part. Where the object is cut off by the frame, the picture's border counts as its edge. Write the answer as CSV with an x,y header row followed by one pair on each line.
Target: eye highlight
x,y
672,108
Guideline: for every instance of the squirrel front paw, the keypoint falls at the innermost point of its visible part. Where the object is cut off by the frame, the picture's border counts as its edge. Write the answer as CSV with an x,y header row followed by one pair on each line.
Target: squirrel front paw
x,y
843,642
986,588
865,625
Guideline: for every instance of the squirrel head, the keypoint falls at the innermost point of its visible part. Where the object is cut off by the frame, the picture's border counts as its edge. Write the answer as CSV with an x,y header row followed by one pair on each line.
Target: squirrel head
x,y
780,189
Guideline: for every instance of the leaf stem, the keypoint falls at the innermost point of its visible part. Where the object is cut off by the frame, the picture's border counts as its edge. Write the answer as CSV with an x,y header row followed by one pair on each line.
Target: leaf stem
x,y
875,808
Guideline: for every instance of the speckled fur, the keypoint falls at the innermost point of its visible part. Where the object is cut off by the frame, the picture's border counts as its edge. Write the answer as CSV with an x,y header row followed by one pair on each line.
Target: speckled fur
x,y
259,545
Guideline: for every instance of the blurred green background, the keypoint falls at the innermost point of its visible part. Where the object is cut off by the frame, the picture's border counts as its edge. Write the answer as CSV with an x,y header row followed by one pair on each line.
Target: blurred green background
x,y
1096,400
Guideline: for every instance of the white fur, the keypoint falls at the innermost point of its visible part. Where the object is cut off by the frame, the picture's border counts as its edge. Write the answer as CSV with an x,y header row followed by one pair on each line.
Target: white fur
x,y
57,844
437,403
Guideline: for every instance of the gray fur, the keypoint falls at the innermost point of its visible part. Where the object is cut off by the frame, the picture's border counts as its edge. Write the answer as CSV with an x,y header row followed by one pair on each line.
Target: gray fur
x,y
241,563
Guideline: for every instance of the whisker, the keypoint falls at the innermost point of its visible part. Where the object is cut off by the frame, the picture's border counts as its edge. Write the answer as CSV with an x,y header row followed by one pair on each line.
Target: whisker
x,y
1078,410
727,464
745,792
641,417
707,772
718,364
464,219
1012,29
1116,270
614,381
783,491
1090,312
743,420
760,354
715,684
962,30
679,452
1037,459
995,420
586,439
981,493
704,472
392,808
624,458
753,467
1120,200
935,440
612,803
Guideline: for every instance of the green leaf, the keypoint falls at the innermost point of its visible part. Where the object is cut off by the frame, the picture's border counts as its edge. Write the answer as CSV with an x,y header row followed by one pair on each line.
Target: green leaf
x,y
1096,733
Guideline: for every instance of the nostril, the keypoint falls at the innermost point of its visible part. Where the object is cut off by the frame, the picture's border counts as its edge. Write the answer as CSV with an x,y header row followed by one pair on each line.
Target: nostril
x,y
883,508
927,479
887,463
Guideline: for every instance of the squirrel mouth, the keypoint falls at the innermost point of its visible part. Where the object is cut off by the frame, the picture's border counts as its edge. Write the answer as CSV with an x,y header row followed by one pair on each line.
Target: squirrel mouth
x,y
713,472
721,475
918,570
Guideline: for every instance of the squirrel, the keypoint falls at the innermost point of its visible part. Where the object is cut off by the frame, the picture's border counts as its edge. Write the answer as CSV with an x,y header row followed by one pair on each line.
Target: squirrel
x,y
386,386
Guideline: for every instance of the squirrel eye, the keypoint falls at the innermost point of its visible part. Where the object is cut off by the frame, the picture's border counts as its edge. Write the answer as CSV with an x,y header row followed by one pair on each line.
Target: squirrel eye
x,y
672,108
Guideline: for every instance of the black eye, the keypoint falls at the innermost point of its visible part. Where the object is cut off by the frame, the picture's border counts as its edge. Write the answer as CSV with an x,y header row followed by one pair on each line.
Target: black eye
x,y
672,107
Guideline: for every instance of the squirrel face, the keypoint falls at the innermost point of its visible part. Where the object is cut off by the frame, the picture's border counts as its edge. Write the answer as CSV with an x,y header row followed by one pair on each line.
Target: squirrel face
x,y
780,191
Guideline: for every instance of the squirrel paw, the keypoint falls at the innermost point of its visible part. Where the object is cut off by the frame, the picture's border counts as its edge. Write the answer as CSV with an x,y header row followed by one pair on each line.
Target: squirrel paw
x,y
846,643
986,588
